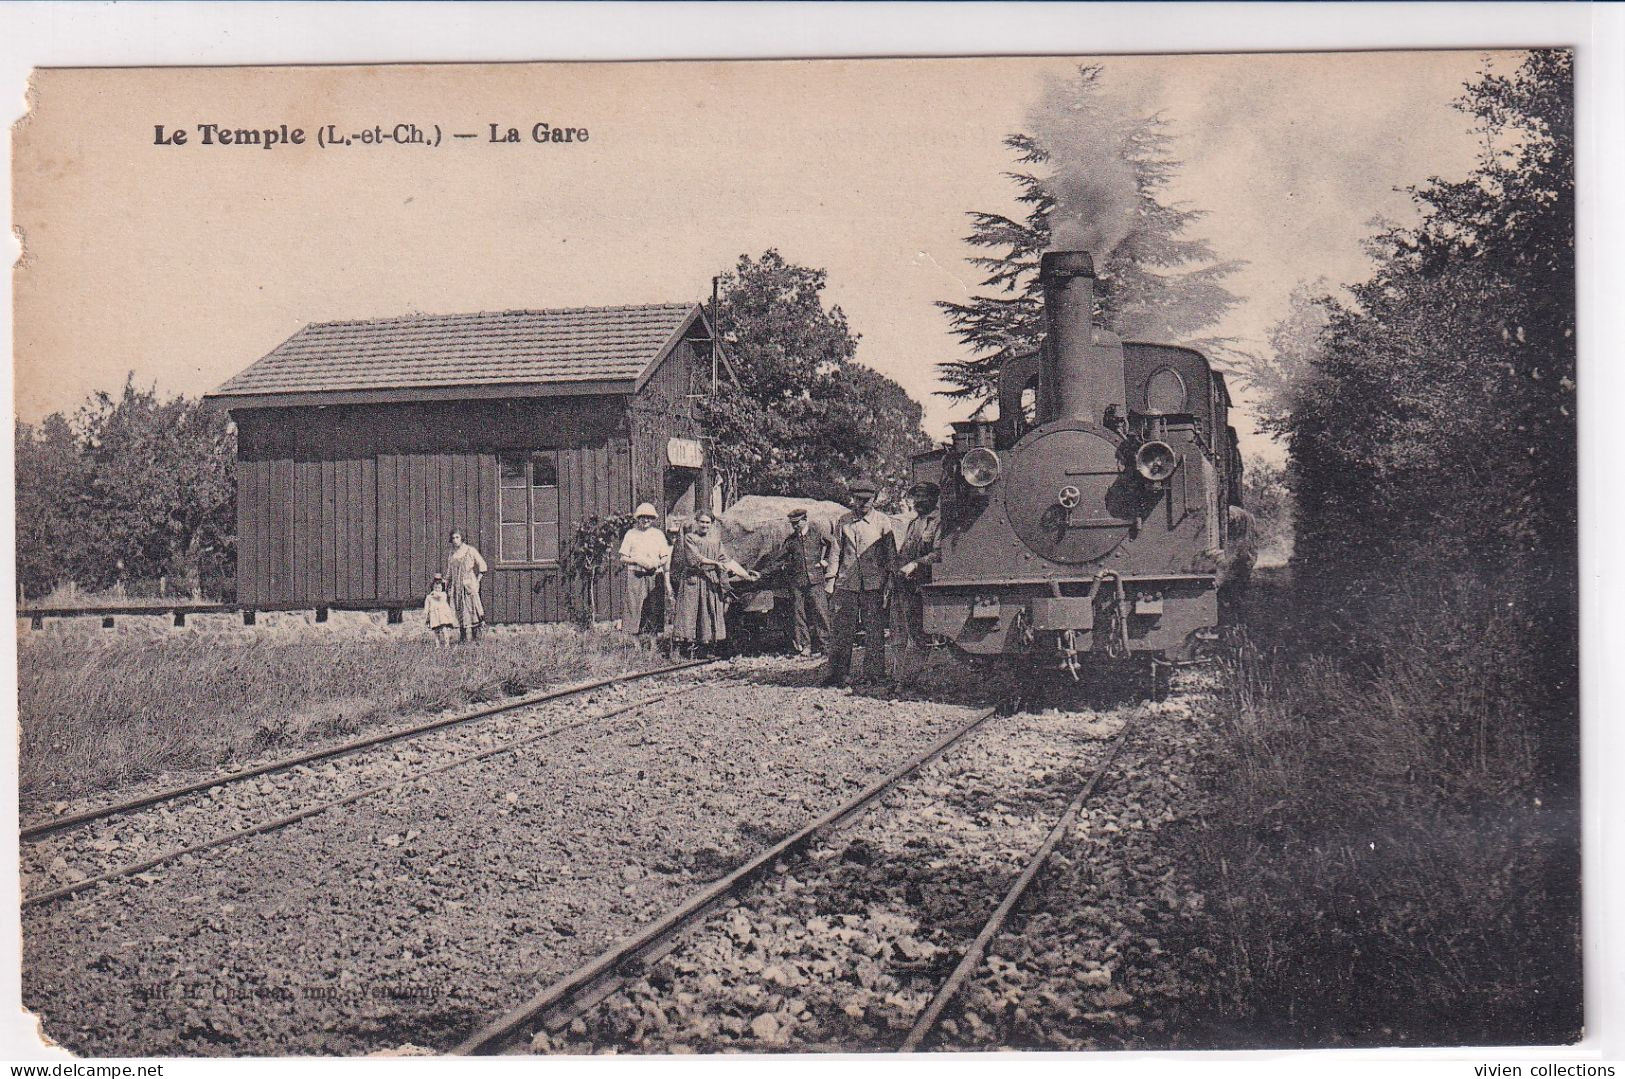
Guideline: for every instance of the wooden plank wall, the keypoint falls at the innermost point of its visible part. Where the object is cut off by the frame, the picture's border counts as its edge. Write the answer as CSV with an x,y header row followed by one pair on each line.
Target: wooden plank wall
x,y
265,476
664,409
352,505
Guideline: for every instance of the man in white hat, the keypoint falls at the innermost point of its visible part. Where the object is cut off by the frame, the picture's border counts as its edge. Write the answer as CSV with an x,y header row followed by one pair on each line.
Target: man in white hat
x,y
646,555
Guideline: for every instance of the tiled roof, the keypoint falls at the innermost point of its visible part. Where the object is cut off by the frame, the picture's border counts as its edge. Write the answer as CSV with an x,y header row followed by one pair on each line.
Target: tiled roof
x,y
582,344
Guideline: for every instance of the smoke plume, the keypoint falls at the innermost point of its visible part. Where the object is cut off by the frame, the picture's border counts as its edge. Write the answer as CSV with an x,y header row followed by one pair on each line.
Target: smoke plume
x,y
1088,133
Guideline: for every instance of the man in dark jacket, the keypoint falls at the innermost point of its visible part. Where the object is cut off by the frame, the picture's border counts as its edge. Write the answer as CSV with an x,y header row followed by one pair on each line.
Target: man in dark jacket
x,y
861,579
805,557
916,556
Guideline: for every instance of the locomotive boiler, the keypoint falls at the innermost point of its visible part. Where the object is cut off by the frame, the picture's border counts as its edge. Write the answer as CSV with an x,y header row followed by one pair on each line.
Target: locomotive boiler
x,y
1089,521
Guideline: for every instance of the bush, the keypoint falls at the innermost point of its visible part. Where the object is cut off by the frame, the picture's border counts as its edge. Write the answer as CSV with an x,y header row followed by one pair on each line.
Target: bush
x,y
1382,865
590,559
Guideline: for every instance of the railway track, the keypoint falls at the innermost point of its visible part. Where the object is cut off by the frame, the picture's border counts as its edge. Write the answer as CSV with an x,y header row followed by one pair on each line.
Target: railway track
x,y
326,922
977,951
145,864
569,998
44,828
563,1000
61,863
68,850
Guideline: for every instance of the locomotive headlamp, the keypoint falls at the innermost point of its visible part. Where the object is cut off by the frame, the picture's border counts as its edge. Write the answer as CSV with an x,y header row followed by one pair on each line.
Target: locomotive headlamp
x,y
980,467
1155,461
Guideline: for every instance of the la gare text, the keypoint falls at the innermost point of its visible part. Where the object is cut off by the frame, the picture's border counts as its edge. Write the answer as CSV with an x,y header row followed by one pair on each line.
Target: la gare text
x,y
333,135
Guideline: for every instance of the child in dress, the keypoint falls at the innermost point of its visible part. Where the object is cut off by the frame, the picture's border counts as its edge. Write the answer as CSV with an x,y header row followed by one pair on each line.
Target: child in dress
x,y
437,610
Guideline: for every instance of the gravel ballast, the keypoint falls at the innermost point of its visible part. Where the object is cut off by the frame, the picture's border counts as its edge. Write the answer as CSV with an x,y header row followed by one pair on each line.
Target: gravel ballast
x,y
1111,944
101,846
410,919
843,950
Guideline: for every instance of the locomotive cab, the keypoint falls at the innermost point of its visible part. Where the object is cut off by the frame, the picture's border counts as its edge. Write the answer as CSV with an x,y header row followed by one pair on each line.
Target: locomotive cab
x,y
1089,518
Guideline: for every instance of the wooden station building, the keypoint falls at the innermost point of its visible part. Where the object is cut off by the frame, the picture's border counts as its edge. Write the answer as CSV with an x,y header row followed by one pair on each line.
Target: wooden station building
x,y
361,445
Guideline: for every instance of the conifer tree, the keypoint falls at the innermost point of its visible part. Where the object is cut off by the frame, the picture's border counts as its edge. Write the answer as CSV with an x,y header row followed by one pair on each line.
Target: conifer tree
x,y
1094,169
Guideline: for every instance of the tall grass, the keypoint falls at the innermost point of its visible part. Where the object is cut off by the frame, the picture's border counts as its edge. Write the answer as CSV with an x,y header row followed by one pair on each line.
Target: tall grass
x,y
100,713
1383,863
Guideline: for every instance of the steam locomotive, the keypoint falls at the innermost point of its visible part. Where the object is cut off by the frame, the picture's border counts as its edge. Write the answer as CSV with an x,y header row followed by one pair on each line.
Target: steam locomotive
x,y
1090,521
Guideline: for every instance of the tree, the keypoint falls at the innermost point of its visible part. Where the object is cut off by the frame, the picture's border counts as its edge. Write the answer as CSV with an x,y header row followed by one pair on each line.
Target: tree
x,y
1104,170
133,487
744,434
1437,411
1267,495
1283,374
1432,431
1430,646
870,412
161,484
777,331
50,483
805,416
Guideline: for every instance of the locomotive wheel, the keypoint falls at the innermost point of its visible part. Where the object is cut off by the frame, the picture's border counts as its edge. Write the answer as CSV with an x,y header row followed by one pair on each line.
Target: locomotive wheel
x,y
1160,678
1018,695
1037,685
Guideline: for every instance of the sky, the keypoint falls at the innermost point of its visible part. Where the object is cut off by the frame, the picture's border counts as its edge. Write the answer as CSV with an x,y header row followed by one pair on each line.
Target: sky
x,y
185,263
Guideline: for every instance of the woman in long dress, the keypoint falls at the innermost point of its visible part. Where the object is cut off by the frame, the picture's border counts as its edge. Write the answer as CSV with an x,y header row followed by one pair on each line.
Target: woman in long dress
x,y
701,620
463,569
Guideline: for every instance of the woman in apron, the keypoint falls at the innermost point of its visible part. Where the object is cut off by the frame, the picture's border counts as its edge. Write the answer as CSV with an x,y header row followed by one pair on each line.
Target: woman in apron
x,y
701,622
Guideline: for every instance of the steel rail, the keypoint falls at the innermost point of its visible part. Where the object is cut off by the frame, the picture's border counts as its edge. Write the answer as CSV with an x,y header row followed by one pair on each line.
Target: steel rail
x,y
62,824
605,973
972,959
311,811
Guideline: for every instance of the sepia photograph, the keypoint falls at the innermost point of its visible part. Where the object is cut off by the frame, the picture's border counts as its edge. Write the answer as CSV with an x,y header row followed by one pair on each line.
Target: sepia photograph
x,y
799,556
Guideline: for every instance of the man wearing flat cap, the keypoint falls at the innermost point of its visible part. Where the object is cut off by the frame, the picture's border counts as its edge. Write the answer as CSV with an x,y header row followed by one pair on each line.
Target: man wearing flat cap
x,y
860,579
805,556
916,556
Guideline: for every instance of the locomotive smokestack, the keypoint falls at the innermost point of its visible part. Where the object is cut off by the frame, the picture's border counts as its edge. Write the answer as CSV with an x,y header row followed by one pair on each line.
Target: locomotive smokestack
x,y
1082,369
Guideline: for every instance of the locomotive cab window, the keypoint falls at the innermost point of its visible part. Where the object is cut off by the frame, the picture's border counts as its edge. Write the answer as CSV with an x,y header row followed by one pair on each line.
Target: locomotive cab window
x,y
529,505
1029,406
1165,392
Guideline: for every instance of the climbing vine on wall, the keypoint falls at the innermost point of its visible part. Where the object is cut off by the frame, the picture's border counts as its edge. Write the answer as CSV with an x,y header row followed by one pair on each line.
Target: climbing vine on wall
x,y
589,556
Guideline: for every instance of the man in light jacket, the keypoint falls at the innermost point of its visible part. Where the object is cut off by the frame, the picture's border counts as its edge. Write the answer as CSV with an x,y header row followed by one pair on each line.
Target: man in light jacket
x,y
860,580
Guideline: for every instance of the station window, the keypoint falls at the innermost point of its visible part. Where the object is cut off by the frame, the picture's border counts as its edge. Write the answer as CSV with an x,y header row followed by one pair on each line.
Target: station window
x,y
529,500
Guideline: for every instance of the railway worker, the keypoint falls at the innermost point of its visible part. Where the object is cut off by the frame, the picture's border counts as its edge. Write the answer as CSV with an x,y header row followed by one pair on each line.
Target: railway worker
x,y
1235,565
860,580
805,556
701,622
464,567
647,558
917,553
